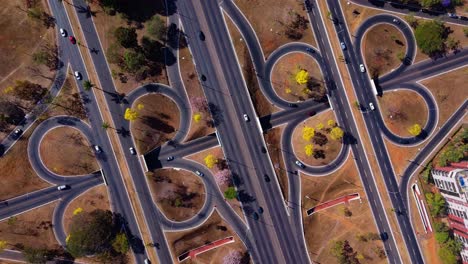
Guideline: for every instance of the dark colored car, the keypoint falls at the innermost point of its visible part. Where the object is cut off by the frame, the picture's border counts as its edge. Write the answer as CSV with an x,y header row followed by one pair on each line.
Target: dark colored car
x,y
384,236
264,150
72,39
203,77
255,216
312,113
292,105
267,179
170,158
18,132
311,50
260,210
201,36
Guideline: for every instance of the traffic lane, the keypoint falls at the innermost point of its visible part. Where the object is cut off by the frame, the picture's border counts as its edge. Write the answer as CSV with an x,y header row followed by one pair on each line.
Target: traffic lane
x,y
192,29
359,152
243,105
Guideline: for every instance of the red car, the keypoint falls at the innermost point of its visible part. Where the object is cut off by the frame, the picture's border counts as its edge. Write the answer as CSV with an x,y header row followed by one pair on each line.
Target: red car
x,y
72,39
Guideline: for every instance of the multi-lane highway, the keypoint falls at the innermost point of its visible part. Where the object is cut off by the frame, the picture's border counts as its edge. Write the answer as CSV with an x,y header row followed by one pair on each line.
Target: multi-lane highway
x,y
277,237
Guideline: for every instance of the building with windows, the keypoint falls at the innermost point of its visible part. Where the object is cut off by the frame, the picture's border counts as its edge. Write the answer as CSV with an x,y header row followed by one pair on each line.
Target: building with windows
x,y
452,181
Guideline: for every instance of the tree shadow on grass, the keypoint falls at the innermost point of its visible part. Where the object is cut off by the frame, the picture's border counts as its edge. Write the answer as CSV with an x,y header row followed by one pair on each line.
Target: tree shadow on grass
x,y
157,124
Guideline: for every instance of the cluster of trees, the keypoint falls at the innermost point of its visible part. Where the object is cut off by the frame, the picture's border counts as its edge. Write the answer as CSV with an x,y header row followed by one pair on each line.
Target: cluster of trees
x,y
97,233
456,149
437,204
344,253
318,138
432,36
37,14
449,247
439,3
139,59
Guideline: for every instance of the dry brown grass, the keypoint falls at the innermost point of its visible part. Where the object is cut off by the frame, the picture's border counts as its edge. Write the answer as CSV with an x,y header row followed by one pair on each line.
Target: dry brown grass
x,y
381,46
324,227
31,229
18,176
95,198
157,122
284,73
331,149
262,105
401,109
448,100
180,194
213,229
193,88
105,27
270,25
218,153
65,151
273,142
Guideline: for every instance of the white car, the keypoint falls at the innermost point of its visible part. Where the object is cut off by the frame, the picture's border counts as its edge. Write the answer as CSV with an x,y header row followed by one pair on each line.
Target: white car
x,y
246,118
371,106
298,163
132,150
97,149
62,187
362,68
199,173
343,46
77,75
63,32
396,21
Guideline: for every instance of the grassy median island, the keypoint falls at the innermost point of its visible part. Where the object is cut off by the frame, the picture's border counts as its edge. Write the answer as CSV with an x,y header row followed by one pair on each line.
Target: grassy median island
x,y
326,231
297,77
157,121
180,194
313,141
402,109
65,151
384,49
213,229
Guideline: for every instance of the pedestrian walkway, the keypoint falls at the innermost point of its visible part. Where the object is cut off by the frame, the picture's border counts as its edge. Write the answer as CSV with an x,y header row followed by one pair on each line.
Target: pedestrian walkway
x,y
344,199
192,254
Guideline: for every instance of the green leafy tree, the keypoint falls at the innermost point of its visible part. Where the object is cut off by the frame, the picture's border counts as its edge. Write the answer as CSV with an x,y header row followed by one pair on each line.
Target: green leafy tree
x,y
437,204
90,233
230,193
120,243
430,36
133,61
87,85
127,37
157,27
35,255
426,174
441,237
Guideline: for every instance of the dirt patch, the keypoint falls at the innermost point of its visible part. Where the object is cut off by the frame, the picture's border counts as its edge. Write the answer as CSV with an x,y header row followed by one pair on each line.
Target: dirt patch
x,y
95,198
105,27
260,102
324,227
31,229
384,46
218,153
213,229
18,175
273,142
65,151
180,194
285,82
401,109
448,100
270,26
192,86
325,149
157,121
